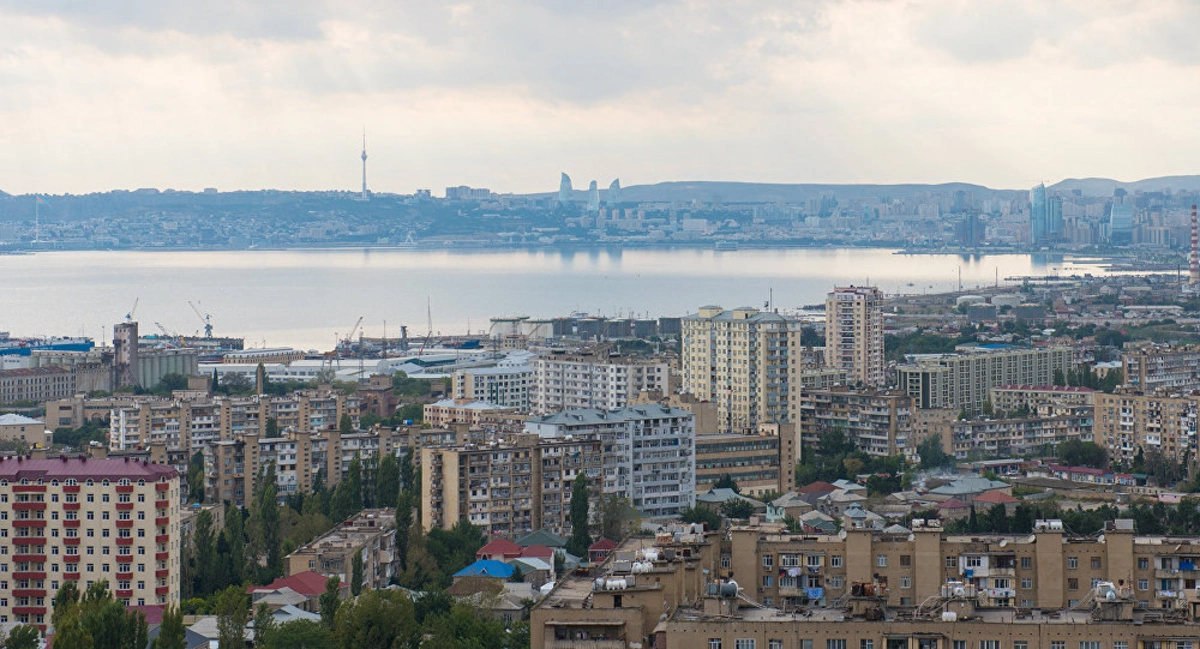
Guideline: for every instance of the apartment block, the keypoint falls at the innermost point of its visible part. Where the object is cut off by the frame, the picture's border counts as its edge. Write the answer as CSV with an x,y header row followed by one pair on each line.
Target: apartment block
x,y
878,422
24,430
371,532
1128,421
506,386
36,385
85,520
1041,398
592,379
759,464
448,412
1154,367
854,333
742,361
965,379
1012,437
506,488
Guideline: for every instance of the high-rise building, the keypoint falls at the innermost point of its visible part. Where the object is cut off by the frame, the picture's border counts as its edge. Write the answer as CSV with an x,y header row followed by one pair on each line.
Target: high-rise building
x,y
564,191
741,360
1132,422
613,198
593,203
1039,218
84,520
854,333
963,380
125,354
592,380
1120,224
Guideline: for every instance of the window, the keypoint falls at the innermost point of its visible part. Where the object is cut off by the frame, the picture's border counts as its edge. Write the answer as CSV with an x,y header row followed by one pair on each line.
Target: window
x,y
789,560
835,582
1072,583
958,644
881,561
1120,644
1058,644
774,644
714,643
1179,644
767,581
866,643
1026,562
835,561
1095,644
1020,644
1072,563
768,560
1026,582
743,643
989,644
905,560
1095,562
951,562
835,643
725,561
974,562
1143,564
1143,584
906,582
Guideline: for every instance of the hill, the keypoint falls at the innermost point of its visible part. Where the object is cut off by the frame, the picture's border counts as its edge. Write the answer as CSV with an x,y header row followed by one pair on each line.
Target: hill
x,y
1105,186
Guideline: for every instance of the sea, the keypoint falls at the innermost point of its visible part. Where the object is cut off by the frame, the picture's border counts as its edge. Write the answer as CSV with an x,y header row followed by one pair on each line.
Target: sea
x,y
308,298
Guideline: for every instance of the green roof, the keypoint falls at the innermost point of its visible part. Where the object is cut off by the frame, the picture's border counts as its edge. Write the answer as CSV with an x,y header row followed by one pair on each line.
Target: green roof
x,y
542,537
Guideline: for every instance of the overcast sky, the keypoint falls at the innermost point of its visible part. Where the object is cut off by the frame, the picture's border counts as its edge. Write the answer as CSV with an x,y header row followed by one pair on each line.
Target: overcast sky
x,y
505,95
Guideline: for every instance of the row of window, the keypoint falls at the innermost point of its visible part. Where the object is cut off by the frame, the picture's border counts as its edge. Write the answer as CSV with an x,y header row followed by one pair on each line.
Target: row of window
x,y
932,643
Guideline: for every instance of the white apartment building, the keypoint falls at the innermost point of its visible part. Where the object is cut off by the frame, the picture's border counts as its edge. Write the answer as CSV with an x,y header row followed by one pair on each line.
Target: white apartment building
x,y
648,452
592,380
964,380
507,386
854,333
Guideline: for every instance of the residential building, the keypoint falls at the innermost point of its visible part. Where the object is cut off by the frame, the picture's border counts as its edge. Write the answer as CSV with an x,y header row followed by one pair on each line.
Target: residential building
x,y
1041,398
854,333
740,360
36,385
85,520
506,489
1153,367
963,380
1012,437
506,386
648,452
1129,422
447,412
592,379
25,431
759,464
878,422
371,532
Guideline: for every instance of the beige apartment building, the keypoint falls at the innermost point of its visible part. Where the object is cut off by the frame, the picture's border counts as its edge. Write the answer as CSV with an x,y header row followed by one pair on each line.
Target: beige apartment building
x,y
84,520
760,587
741,360
506,489
27,431
1153,367
1005,437
854,333
965,379
371,532
1128,421
761,463
1041,398
878,422
592,379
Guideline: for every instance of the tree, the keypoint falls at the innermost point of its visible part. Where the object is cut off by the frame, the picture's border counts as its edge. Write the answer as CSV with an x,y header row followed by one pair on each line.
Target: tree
x,y
404,520
618,516
330,599
302,634
931,452
1074,452
233,611
726,482
408,474
387,485
379,619
701,514
1059,378
264,626
205,543
347,496
464,628
356,574
195,477
580,539
420,568
235,540
346,425
171,634
96,620
272,428
737,508
22,636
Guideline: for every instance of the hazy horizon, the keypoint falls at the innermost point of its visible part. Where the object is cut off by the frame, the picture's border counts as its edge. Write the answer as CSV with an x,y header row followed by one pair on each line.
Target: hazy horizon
x,y
505,95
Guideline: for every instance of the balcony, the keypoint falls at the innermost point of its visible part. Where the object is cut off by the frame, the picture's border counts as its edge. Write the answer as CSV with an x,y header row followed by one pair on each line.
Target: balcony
x,y
124,507
585,644
22,507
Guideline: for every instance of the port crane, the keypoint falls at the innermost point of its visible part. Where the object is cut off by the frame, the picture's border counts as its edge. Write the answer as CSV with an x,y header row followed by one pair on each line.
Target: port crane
x,y
166,332
347,343
129,316
205,318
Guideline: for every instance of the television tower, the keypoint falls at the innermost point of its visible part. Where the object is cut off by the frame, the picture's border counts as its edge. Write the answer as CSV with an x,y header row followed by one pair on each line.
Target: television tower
x,y
364,160
1194,258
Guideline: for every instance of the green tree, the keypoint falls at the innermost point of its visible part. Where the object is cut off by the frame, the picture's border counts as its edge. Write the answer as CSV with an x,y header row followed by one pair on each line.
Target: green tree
x,y
420,568
171,634
737,508
701,514
387,485
235,540
205,542
264,626
931,452
95,620
265,529
346,425
330,600
462,629
618,516
169,383
302,634
233,611
580,539
272,429
1059,377
195,477
22,636
347,496
1074,452
356,574
726,481
378,619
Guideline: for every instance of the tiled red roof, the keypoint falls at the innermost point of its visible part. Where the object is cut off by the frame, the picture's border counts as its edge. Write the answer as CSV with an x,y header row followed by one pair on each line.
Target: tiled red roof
x,y
953,503
502,547
306,583
818,487
538,551
153,612
82,468
996,497
603,544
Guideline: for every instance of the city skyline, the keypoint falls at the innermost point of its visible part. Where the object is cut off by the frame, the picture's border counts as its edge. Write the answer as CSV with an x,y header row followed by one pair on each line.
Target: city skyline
x,y
506,95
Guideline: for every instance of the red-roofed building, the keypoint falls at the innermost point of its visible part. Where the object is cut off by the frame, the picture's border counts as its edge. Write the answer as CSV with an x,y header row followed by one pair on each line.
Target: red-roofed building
x,y
539,552
599,551
953,509
136,505
813,491
499,550
997,497
308,583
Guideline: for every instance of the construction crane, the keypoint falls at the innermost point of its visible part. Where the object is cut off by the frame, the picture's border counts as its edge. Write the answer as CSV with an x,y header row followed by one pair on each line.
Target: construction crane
x,y
129,316
428,336
166,332
205,318
347,343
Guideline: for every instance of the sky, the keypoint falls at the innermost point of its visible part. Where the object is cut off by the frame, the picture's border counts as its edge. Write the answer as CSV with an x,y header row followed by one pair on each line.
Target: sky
x,y
125,94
